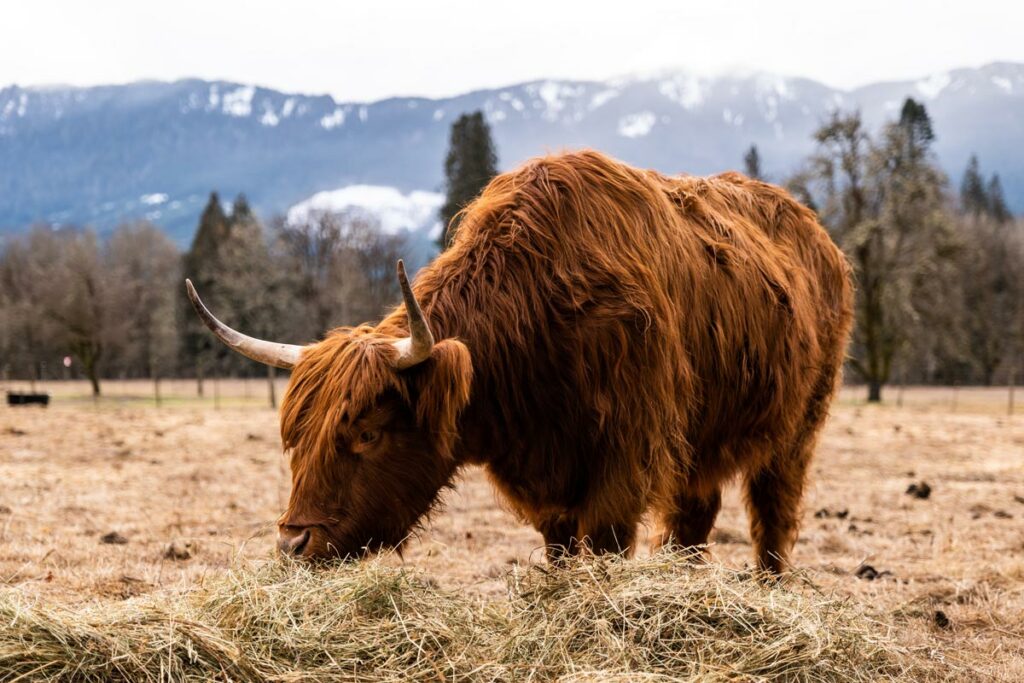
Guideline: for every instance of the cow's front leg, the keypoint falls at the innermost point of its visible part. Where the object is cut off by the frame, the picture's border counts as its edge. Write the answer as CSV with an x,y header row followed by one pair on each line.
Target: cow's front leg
x,y
615,537
560,536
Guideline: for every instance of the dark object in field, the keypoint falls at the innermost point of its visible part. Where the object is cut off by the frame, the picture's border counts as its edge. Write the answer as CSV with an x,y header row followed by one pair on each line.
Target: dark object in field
x,y
940,619
606,341
14,431
825,513
178,551
113,538
5,510
18,399
979,510
727,536
869,573
919,490
1002,514
1019,499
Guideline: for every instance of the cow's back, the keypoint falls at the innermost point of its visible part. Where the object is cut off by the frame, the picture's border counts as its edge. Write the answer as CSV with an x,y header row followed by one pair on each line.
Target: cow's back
x,y
627,327
767,325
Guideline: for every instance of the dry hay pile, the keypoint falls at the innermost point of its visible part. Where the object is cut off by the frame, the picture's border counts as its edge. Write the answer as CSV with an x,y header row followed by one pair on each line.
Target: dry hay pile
x,y
652,619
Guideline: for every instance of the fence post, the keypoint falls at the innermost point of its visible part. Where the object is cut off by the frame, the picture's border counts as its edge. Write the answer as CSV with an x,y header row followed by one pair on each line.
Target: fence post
x,y
1013,382
271,373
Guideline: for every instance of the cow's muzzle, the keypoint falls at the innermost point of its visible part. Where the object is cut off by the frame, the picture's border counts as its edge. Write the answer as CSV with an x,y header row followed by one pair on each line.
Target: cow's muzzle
x,y
293,541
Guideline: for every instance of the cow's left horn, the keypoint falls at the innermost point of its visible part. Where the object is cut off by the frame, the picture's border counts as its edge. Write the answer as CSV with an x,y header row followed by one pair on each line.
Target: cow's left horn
x,y
415,348
279,355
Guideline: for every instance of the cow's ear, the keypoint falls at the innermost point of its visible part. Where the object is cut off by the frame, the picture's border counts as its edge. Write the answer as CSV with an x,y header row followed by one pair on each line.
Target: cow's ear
x,y
444,384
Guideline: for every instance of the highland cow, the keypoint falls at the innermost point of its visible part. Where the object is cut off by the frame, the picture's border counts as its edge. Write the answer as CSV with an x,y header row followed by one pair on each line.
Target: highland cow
x,y
605,341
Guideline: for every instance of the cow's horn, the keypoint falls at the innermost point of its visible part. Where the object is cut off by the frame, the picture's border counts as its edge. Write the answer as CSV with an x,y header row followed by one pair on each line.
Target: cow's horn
x,y
279,355
415,348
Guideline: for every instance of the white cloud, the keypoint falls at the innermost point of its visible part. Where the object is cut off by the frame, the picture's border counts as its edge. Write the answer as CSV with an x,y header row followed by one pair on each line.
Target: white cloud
x,y
394,210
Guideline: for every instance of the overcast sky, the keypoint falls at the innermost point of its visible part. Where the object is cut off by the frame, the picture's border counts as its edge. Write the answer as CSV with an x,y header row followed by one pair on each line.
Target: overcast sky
x,y
376,48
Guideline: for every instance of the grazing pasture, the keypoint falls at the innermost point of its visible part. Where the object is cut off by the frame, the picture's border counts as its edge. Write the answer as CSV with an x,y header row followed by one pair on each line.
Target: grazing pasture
x,y
913,536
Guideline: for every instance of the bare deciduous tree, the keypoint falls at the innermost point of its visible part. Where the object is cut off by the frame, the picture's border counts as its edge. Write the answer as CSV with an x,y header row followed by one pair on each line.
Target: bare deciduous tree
x,y
340,268
144,268
884,204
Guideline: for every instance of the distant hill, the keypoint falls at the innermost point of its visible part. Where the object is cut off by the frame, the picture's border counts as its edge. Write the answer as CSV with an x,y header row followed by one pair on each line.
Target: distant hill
x,y
104,154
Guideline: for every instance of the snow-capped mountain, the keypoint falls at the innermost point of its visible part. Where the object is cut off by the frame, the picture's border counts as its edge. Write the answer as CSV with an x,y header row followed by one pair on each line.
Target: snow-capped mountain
x,y
105,154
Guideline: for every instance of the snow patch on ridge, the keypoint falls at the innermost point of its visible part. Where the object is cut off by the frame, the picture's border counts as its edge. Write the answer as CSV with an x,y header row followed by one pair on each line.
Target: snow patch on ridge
x,y
602,98
637,125
238,102
269,118
333,120
553,97
685,90
154,199
732,119
773,85
1004,84
933,86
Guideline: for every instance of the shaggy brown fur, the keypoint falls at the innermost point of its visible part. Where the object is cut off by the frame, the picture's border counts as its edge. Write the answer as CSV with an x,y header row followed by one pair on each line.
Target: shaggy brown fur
x,y
616,341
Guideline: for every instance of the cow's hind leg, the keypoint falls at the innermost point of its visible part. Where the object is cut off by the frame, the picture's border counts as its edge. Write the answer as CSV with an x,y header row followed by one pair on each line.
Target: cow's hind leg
x,y
688,524
774,492
773,501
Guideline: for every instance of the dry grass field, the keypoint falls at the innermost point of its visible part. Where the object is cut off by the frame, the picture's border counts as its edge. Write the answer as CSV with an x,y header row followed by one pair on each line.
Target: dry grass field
x,y
103,501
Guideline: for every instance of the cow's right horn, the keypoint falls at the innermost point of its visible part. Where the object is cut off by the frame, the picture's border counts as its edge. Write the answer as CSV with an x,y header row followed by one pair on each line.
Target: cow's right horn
x,y
279,355
415,348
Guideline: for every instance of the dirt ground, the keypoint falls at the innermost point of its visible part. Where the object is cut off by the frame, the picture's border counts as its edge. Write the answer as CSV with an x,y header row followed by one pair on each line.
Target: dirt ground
x,y
106,500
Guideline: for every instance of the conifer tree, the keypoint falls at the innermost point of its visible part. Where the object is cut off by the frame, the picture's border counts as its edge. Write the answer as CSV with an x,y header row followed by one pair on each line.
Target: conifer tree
x,y
917,129
997,201
201,264
241,212
752,163
973,195
469,166
247,288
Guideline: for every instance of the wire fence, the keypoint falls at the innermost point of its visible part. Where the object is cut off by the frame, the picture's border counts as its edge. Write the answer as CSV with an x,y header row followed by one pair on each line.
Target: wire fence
x,y
256,392
214,391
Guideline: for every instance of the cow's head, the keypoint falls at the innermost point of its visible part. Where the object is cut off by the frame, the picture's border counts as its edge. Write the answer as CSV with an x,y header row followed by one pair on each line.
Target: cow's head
x,y
370,422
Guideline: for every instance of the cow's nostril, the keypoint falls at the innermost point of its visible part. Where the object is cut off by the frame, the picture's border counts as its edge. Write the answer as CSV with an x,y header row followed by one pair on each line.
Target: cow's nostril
x,y
293,544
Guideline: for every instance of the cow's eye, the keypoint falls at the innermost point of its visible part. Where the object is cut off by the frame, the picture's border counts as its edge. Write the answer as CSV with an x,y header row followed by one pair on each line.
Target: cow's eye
x,y
369,436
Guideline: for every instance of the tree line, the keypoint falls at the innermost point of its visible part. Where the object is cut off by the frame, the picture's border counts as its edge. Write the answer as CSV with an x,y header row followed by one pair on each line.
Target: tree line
x,y
117,308
940,298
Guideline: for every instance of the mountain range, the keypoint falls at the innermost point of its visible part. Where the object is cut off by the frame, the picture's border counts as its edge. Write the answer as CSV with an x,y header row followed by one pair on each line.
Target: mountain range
x,y
102,155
